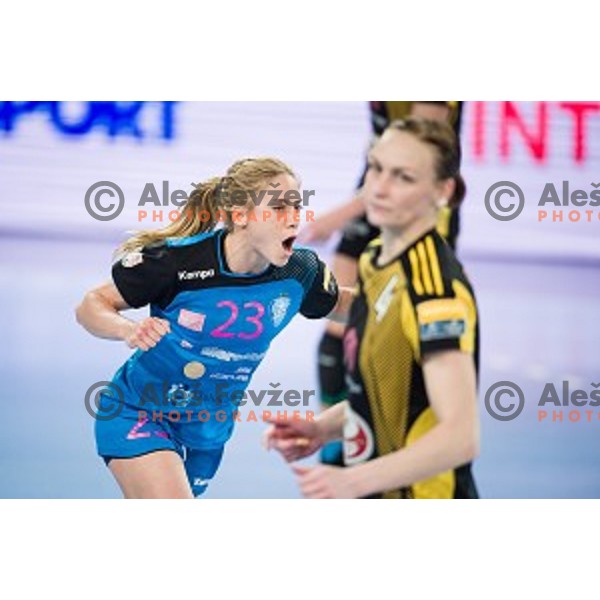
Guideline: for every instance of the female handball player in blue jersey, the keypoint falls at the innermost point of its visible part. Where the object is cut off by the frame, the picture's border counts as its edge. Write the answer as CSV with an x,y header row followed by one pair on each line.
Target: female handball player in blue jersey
x,y
217,296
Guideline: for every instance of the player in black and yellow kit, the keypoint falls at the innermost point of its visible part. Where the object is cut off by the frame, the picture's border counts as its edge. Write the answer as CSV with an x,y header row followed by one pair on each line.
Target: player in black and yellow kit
x,y
357,233
410,425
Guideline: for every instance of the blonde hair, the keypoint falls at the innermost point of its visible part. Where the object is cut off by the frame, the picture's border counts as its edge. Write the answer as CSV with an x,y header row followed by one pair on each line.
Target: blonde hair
x,y
212,199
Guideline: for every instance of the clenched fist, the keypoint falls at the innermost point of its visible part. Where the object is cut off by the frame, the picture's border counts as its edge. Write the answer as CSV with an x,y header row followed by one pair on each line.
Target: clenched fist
x,y
147,333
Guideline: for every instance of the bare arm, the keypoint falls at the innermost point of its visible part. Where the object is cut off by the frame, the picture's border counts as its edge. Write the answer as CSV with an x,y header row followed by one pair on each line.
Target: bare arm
x,y
326,225
99,313
348,211
341,310
330,422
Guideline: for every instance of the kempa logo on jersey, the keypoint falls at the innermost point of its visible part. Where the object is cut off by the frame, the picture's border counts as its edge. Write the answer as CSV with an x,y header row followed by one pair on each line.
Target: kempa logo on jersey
x,y
557,203
105,201
557,403
191,275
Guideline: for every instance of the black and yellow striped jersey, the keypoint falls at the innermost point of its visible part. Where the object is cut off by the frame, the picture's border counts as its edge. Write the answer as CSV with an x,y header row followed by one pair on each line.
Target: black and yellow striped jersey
x,y
418,303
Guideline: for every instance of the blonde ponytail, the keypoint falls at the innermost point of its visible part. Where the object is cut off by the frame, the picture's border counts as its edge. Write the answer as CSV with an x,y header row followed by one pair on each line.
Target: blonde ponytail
x,y
199,214
210,202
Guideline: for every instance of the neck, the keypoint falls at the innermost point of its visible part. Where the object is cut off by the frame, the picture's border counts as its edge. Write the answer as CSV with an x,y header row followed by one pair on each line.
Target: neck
x,y
240,256
396,241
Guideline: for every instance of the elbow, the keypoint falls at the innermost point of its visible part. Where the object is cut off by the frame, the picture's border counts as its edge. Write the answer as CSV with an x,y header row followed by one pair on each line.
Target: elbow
x,y
81,308
470,447
79,313
471,451
465,443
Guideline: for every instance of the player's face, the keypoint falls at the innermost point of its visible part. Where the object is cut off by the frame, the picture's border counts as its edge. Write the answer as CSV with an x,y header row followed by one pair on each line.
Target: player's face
x,y
273,223
401,187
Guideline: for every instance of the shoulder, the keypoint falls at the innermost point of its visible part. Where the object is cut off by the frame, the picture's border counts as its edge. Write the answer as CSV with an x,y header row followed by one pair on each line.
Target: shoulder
x,y
306,267
303,265
372,249
367,259
167,257
441,310
304,257
180,249
432,269
156,253
197,251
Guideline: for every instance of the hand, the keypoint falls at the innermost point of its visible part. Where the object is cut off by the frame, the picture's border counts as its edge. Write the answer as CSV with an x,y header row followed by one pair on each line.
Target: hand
x,y
324,481
147,333
293,439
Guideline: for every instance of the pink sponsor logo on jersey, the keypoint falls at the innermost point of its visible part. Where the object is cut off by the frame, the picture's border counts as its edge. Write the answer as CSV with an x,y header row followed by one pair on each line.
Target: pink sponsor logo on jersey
x,y
191,320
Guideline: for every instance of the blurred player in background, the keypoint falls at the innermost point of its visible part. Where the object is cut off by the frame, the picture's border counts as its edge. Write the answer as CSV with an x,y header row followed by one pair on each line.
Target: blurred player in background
x,y
217,296
410,424
357,233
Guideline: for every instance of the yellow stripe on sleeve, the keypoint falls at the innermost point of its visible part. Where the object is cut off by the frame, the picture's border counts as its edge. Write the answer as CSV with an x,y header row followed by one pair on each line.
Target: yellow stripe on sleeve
x,y
435,267
425,268
416,277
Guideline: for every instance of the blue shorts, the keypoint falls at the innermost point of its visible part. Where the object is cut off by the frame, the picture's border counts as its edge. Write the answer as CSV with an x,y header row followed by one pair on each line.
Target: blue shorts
x,y
124,431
